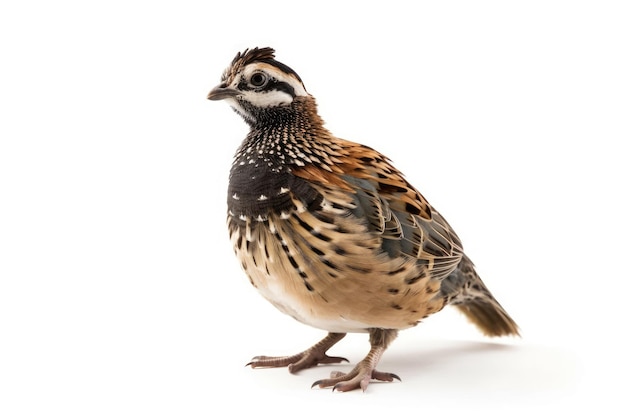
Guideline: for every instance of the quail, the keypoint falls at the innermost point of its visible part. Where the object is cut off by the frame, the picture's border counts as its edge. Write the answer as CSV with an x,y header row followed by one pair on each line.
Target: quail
x,y
331,233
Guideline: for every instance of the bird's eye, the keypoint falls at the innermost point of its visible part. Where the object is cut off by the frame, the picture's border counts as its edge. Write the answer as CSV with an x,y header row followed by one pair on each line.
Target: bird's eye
x,y
258,79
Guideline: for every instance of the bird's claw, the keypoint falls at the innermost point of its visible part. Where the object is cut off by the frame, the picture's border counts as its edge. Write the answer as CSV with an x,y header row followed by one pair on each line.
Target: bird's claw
x,y
359,377
295,363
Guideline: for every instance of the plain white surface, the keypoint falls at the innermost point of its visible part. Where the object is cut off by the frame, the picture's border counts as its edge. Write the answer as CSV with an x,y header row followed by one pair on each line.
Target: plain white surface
x,y
119,292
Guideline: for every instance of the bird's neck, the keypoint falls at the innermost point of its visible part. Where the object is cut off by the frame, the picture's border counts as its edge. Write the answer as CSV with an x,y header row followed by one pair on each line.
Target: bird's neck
x,y
287,135
261,178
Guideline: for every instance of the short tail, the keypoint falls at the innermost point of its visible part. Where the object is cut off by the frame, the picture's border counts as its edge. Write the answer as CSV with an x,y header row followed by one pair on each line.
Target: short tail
x,y
470,295
489,317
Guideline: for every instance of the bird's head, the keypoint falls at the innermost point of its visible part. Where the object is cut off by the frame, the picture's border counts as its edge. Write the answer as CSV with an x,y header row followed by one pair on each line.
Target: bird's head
x,y
255,84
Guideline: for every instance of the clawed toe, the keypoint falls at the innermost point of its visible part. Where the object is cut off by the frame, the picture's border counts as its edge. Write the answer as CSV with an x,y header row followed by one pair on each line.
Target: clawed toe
x,y
309,358
385,376
273,361
359,377
309,362
294,363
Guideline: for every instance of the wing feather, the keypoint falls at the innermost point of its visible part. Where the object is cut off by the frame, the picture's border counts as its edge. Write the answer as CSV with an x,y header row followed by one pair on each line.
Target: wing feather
x,y
391,207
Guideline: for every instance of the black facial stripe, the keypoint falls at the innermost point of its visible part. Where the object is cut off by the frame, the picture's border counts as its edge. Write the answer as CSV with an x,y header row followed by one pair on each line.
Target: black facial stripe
x,y
244,86
272,84
280,86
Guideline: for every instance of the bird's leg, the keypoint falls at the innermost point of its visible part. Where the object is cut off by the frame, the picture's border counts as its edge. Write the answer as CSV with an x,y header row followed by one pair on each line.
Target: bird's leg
x,y
365,370
313,356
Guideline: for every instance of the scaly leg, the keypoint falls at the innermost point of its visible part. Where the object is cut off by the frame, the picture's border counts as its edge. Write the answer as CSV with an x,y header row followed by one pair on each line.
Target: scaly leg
x,y
365,370
313,356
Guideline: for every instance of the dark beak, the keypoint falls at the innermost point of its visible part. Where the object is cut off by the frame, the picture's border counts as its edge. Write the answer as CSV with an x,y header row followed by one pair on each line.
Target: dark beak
x,y
221,92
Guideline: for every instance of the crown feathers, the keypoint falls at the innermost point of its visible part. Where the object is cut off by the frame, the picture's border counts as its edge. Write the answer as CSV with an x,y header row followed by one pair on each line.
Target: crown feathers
x,y
256,54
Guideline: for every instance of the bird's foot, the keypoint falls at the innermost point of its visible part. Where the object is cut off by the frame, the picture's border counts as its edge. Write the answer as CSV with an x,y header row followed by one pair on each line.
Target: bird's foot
x,y
359,377
295,363
307,359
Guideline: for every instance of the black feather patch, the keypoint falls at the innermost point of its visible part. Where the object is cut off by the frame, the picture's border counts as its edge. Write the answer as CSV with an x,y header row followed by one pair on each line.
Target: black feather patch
x,y
256,191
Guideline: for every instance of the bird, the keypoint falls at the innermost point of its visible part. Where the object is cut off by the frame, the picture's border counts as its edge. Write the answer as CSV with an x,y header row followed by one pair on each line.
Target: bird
x,y
331,233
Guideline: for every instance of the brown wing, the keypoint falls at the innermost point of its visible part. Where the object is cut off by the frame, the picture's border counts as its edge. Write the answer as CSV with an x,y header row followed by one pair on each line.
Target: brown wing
x,y
391,207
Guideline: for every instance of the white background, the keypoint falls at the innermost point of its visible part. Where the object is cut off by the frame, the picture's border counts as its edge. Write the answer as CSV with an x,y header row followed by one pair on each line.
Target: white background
x,y
119,292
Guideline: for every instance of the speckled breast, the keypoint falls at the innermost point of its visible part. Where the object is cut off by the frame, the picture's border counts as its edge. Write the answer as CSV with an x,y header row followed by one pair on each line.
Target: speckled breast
x,y
306,252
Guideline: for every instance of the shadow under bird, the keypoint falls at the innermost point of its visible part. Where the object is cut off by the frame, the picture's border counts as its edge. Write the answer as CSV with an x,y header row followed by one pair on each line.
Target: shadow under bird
x,y
331,233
